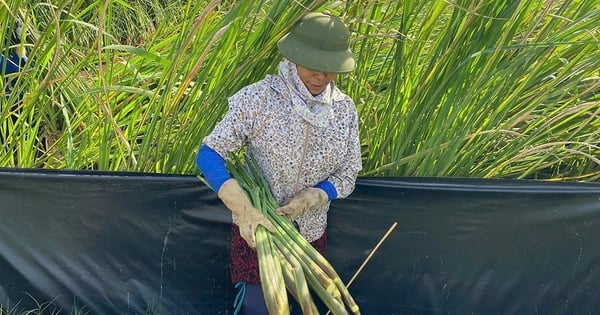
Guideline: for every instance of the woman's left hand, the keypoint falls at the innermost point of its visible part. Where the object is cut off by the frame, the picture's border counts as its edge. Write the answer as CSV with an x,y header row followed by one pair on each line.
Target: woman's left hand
x,y
306,200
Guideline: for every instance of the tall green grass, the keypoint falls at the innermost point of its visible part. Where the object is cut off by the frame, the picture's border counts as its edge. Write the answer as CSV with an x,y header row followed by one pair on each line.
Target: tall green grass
x,y
462,88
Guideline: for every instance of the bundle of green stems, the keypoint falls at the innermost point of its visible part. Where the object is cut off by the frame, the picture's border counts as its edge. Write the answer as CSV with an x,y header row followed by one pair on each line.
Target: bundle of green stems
x,y
287,261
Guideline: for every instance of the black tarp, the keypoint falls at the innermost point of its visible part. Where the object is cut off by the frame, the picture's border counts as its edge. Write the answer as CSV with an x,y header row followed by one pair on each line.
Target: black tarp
x,y
132,243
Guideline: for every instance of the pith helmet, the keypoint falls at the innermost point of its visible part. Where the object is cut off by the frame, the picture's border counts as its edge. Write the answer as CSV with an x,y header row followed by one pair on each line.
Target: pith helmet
x,y
319,41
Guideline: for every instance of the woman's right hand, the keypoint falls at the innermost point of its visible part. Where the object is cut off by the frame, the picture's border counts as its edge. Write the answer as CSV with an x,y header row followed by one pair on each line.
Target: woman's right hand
x,y
247,216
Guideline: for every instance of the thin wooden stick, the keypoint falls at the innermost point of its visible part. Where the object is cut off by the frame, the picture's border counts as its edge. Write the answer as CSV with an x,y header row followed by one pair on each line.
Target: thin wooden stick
x,y
385,236
372,253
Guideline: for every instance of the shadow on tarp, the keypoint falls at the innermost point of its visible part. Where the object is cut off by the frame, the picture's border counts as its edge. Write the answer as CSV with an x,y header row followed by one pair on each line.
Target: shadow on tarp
x,y
132,243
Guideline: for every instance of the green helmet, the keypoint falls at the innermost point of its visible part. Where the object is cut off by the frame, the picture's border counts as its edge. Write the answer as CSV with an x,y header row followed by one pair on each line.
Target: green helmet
x,y
319,42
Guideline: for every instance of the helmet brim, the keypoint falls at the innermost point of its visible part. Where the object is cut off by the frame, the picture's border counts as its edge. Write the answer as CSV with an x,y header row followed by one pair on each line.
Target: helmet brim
x,y
330,61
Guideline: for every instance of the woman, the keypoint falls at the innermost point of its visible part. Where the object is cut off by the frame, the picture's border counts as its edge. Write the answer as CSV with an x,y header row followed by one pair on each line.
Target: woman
x,y
303,133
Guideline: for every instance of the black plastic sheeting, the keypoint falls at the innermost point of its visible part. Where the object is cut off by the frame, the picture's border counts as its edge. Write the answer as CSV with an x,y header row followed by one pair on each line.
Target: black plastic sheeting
x,y
132,243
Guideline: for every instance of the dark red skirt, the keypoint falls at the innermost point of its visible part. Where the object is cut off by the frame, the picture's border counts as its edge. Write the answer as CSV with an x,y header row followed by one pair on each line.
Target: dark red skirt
x,y
244,261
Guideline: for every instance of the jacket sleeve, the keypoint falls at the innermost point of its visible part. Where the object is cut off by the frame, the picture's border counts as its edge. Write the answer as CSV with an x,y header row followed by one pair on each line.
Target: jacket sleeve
x,y
234,130
344,178
12,65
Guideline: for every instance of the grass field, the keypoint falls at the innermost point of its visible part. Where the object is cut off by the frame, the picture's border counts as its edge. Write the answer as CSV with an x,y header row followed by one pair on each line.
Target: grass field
x,y
489,89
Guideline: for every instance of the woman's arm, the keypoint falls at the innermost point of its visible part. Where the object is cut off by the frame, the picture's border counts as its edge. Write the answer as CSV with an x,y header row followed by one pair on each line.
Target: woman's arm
x,y
212,166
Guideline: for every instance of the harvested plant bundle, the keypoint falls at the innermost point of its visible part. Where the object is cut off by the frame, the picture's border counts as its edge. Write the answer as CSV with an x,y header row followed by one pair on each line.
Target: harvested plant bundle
x,y
287,261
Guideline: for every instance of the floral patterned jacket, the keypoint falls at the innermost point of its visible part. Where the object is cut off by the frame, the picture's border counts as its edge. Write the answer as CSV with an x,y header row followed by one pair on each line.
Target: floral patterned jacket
x,y
297,141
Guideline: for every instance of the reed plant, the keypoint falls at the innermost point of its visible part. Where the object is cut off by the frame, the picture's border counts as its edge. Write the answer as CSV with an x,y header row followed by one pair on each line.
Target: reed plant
x,y
492,89
288,262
